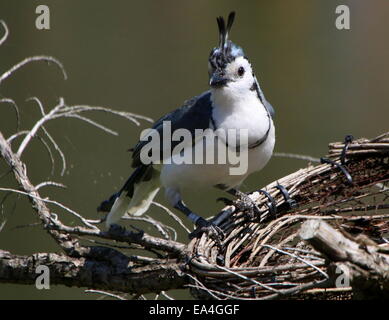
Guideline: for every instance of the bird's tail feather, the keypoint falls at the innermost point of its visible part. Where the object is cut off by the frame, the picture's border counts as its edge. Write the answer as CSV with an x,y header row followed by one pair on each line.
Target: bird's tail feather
x,y
136,195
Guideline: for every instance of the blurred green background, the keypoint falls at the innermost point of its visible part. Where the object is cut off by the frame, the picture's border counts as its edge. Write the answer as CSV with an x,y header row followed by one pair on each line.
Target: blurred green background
x,y
148,57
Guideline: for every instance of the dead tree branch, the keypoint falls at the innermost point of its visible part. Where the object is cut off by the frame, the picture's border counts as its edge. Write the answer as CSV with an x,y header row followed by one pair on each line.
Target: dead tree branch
x,y
122,276
360,260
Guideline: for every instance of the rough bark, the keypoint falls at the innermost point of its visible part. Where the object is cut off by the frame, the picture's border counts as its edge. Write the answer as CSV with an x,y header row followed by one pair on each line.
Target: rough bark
x,y
360,259
96,267
123,276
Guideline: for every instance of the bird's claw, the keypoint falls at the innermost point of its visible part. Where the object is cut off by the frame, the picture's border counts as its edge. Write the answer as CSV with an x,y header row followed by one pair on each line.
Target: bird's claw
x,y
212,230
116,229
247,205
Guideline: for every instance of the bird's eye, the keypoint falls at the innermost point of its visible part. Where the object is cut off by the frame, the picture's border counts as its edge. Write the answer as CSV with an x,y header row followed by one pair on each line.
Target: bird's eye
x,y
241,71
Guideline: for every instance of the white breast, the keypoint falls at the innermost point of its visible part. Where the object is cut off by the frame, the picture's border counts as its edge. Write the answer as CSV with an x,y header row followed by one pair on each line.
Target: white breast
x,y
232,111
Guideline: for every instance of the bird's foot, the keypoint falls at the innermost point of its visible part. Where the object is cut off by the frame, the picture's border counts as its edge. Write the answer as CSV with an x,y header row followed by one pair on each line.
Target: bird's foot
x,y
247,205
212,230
119,231
116,229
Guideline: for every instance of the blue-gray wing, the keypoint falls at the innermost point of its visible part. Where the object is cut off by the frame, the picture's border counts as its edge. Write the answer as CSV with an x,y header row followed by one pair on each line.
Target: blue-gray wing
x,y
194,114
269,108
266,103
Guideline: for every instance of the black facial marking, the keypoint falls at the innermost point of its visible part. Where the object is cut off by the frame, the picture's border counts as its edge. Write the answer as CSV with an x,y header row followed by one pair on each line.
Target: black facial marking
x,y
227,51
241,71
219,60
254,86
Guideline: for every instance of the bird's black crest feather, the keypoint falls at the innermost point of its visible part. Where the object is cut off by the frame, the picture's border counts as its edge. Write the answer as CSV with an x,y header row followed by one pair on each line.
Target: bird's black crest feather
x,y
224,30
226,51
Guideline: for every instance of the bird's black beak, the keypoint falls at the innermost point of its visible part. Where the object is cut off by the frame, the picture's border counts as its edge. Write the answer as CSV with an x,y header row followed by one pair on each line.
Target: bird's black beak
x,y
218,80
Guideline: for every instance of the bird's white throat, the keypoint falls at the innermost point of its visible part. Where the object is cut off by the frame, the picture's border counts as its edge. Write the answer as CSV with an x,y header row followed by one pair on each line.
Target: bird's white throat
x,y
244,110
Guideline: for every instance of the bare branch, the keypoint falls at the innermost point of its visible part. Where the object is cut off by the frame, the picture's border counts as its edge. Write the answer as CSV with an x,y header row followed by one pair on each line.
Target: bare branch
x,y
338,247
18,168
164,294
61,154
128,115
360,260
92,273
6,32
239,275
82,219
19,65
39,103
105,293
49,183
63,111
16,135
40,139
46,145
156,224
123,235
37,126
170,213
298,258
296,156
93,123
2,225
13,103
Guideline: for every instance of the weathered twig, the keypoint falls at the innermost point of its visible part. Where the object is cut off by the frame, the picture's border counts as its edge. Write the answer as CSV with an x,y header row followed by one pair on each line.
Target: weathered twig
x,y
22,63
16,108
6,32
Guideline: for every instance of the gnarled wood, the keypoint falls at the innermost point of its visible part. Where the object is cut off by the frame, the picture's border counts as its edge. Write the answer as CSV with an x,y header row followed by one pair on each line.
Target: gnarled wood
x,y
122,276
359,260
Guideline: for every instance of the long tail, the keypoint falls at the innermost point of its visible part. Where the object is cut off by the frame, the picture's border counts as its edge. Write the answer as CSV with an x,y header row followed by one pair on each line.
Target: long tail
x,y
135,196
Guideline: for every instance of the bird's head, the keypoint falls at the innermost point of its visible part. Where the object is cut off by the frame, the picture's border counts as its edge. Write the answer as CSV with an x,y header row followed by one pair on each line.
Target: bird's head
x,y
228,67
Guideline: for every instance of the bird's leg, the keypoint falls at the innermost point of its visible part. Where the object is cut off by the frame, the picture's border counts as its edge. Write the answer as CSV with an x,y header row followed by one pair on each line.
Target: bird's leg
x,y
245,203
196,219
202,224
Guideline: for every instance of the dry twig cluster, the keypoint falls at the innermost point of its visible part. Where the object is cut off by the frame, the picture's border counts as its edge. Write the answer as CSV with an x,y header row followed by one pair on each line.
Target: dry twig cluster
x,y
267,258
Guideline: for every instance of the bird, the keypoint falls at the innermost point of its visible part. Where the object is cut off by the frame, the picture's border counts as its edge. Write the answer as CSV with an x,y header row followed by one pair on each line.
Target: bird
x,y
234,101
